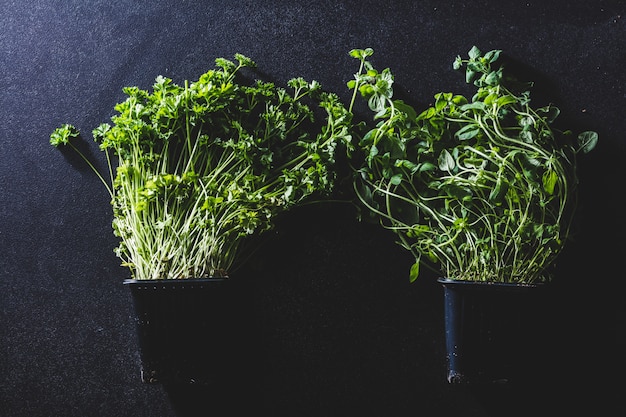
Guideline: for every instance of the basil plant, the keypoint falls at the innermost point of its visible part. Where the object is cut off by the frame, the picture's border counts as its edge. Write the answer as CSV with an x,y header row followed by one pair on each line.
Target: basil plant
x,y
205,165
480,188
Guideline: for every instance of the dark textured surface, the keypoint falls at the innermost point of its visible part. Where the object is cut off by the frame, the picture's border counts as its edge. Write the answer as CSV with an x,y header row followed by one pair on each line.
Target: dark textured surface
x,y
341,332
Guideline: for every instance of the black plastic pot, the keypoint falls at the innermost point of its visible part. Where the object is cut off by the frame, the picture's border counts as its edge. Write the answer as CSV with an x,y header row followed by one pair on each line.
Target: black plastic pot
x,y
186,329
492,330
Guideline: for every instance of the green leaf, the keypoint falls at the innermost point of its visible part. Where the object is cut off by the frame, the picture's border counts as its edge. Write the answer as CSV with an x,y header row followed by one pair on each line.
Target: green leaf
x,y
244,61
396,179
429,113
446,161
493,78
469,75
373,152
62,135
467,132
406,109
587,141
474,52
426,167
477,105
551,113
499,191
440,102
549,179
492,56
459,100
458,63
225,64
491,99
505,100
415,271
361,53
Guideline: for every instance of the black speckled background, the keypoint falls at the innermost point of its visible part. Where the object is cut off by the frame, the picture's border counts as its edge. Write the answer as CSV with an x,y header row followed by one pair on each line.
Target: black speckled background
x,y
339,330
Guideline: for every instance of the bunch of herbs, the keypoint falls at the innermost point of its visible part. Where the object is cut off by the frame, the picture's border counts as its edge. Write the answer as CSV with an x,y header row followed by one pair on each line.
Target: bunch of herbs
x,y
480,188
203,166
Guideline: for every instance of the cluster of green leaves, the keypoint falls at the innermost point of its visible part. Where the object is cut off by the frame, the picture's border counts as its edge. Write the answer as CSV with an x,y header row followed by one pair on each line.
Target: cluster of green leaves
x,y
479,189
202,166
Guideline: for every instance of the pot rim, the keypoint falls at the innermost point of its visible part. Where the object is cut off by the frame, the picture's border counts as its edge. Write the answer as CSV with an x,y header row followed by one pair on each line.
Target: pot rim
x,y
162,280
457,282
